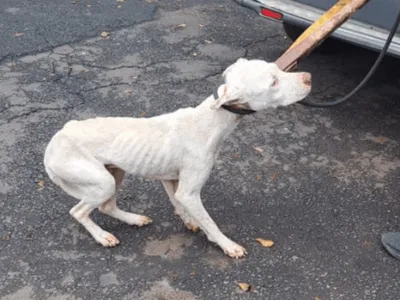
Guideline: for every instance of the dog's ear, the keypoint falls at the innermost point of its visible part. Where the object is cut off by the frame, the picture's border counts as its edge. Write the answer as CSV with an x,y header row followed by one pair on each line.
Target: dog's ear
x,y
227,95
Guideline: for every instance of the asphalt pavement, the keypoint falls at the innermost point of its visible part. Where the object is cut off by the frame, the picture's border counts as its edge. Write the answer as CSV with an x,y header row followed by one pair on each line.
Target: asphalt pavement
x,y
321,183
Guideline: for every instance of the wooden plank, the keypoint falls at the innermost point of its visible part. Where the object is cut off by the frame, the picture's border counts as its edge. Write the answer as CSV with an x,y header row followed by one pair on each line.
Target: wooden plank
x,y
318,31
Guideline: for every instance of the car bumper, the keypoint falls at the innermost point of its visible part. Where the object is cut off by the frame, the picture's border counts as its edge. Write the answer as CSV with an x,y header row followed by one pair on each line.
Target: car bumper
x,y
352,31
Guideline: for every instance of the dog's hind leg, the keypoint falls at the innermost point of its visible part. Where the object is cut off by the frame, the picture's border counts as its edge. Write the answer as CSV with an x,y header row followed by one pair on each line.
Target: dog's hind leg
x,y
110,207
83,177
101,188
81,213
171,187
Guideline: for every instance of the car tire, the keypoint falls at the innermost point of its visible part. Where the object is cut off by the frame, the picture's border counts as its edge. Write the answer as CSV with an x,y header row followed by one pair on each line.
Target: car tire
x,y
329,45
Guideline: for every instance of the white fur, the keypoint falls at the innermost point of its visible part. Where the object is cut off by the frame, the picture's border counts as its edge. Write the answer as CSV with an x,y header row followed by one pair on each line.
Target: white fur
x,y
88,159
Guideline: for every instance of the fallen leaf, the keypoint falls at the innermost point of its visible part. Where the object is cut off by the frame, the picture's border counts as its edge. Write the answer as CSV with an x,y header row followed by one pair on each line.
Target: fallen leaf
x,y
265,243
244,286
236,155
128,91
41,185
275,176
258,177
181,26
19,34
142,114
7,236
317,298
149,1
381,139
105,34
258,149
366,244
120,1
201,25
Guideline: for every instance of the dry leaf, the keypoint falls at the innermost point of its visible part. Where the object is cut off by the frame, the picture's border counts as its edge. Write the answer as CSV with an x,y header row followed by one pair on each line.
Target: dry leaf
x,y
201,25
181,26
128,91
265,243
275,176
120,1
244,286
236,155
259,149
41,185
366,244
149,1
19,34
142,114
318,298
105,34
7,236
258,177
381,139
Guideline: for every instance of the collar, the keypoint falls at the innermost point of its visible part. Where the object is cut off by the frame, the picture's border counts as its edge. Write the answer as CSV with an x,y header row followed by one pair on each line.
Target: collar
x,y
234,109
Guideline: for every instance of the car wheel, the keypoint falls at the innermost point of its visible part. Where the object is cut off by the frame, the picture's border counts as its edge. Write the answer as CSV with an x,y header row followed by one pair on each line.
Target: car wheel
x,y
330,45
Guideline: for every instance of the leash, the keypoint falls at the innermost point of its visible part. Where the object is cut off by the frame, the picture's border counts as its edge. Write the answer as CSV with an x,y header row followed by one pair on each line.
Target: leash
x,y
366,78
371,72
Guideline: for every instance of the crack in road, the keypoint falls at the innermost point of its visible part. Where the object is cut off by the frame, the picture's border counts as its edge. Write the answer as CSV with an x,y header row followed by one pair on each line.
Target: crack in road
x,y
117,27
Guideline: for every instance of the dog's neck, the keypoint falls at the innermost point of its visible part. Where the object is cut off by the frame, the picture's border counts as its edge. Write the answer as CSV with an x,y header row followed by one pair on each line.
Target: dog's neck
x,y
221,114
221,122
239,109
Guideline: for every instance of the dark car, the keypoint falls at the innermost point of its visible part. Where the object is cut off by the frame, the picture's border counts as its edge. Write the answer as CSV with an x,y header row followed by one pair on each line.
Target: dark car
x,y
367,28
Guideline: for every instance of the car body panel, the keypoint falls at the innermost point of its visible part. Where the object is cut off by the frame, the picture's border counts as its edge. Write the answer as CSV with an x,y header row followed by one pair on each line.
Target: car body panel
x,y
365,29
380,13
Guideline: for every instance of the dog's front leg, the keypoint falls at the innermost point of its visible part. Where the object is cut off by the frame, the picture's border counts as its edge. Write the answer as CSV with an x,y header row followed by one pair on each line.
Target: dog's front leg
x,y
171,187
189,197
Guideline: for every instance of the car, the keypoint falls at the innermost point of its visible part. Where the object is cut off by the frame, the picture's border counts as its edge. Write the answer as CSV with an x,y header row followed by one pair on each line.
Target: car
x,y
367,28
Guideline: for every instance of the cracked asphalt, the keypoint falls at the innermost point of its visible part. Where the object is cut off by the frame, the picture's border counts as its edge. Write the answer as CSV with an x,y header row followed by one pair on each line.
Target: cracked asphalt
x,y
321,183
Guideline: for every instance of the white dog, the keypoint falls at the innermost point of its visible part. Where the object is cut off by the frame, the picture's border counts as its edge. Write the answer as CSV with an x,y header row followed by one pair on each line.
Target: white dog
x,y
88,159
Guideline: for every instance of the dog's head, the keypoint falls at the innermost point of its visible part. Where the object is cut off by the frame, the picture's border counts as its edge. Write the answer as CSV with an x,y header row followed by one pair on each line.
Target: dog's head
x,y
257,84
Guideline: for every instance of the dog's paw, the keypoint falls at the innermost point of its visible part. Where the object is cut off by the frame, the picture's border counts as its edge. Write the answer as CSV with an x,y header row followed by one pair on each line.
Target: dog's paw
x,y
192,227
143,220
137,220
234,250
107,239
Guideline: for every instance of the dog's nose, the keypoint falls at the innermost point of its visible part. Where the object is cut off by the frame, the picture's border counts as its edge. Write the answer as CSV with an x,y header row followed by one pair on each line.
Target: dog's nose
x,y
307,79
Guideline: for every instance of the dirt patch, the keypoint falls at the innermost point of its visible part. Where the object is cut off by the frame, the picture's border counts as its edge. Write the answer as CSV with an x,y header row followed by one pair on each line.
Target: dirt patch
x,y
108,279
162,290
24,293
170,248
367,164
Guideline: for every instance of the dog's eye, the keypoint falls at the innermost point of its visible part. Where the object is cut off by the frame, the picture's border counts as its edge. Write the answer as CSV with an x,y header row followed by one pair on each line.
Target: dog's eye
x,y
274,83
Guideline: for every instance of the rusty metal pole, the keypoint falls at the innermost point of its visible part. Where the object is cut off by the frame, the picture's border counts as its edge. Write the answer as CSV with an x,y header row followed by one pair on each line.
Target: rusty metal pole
x,y
318,31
